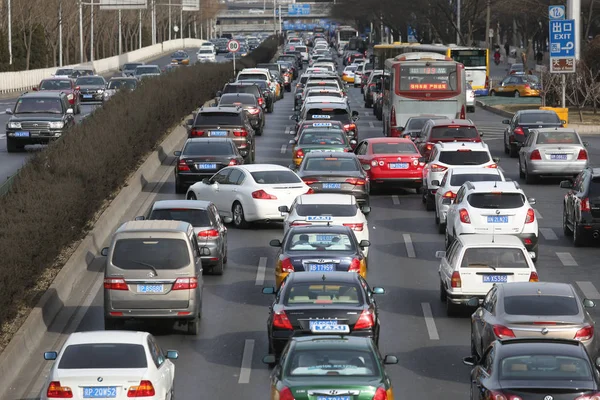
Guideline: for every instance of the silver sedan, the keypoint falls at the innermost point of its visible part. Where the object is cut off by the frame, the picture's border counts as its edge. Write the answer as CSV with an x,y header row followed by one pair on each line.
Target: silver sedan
x,y
552,152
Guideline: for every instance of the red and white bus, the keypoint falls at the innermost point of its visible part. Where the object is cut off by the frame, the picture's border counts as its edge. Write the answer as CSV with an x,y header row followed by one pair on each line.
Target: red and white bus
x,y
422,84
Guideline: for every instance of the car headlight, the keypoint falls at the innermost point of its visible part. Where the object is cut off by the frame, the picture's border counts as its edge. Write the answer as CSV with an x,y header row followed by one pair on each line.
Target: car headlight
x,y
14,125
57,125
100,91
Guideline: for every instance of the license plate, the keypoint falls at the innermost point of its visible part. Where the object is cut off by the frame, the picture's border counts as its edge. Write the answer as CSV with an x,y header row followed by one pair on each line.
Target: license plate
x,y
332,186
150,288
87,96
21,134
325,322
206,166
321,267
101,392
217,133
558,156
333,397
325,238
401,165
495,278
497,219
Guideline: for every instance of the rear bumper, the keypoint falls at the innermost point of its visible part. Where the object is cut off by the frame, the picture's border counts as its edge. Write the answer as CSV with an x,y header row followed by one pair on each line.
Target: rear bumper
x,y
559,168
463,298
191,178
416,182
190,312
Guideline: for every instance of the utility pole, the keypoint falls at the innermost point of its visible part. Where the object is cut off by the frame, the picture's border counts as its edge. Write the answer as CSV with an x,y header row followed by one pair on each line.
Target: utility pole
x,y
60,35
170,27
458,21
92,30
274,18
153,21
574,13
487,24
81,31
140,18
120,34
10,58
181,23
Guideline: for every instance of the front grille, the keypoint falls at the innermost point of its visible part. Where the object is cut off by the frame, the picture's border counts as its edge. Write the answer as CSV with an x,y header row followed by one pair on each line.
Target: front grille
x,y
35,126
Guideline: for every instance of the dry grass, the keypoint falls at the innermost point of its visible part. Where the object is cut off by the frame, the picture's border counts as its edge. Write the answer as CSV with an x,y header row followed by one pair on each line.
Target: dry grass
x,y
589,118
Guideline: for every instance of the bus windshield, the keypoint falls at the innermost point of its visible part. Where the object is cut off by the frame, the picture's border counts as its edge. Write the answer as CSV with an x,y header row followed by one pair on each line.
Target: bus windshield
x,y
470,58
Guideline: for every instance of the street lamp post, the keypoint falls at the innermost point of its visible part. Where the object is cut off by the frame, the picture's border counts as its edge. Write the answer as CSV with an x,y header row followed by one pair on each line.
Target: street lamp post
x,y
92,30
80,31
170,27
60,35
10,60
120,34
457,21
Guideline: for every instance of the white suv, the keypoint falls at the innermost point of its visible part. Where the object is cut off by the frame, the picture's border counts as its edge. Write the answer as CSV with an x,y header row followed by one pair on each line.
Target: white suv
x,y
452,155
452,181
498,208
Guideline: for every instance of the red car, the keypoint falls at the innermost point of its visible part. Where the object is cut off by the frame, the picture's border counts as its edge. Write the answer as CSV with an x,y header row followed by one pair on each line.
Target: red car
x,y
64,85
391,161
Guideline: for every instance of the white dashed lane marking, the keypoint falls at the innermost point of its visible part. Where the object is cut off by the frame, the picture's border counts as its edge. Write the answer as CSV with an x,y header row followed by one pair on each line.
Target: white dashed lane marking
x,y
589,290
283,148
395,199
410,250
430,322
366,114
548,234
246,368
260,272
567,259
538,215
371,124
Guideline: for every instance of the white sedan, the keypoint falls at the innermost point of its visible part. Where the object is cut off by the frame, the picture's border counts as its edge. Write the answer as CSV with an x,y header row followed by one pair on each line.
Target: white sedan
x,y
110,364
247,193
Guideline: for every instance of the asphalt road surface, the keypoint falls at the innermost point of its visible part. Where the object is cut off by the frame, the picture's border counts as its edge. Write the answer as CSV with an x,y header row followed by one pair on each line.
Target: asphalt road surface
x,y
224,360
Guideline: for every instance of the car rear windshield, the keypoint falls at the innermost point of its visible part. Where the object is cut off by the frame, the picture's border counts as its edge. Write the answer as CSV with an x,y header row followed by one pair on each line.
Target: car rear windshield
x,y
545,367
557,137
147,70
545,305
341,362
275,177
331,164
39,105
496,200
459,179
319,294
149,253
55,85
301,49
351,68
124,83
335,114
205,51
539,118
206,148
494,257
316,137
394,148
64,71
334,210
103,356
464,157
132,66
320,242
324,83
218,119
288,58
193,217
454,132
90,80
328,93
241,89
243,99
416,123
251,77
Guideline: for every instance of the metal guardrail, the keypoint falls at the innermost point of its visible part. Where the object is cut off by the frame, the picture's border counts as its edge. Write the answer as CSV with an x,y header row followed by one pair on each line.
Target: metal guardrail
x,y
5,187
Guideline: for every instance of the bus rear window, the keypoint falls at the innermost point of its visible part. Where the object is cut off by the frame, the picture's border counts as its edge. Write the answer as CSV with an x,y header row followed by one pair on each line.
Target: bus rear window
x,y
419,78
470,58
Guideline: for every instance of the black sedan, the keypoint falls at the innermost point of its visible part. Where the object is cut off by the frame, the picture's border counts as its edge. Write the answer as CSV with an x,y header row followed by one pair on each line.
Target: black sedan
x,y
518,127
534,369
250,104
202,158
91,88
335,173
312,300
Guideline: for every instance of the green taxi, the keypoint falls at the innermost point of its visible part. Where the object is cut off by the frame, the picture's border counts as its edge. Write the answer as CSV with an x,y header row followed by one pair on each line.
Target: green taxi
x,y
320,136
330,367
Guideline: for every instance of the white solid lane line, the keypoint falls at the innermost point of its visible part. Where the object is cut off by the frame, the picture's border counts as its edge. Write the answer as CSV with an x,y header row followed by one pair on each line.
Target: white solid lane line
x,y
567,259
371,124
261,271
395,199
367,114
589,290
538,215
3,136
246,361
410,250
430,322
548,234
283,148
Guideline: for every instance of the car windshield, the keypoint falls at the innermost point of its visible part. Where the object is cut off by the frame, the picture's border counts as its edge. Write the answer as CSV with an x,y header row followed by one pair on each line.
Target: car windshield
x,y
393,148
494,257
179,54
251,77
316,137
331,164
496,200
64,72
545,367
351,68
219,119
150,253
38,105
557,137
318,294
207,148
122,84
103,356
451,132
55,85
131,66
459,179
334,210
90,80
235,99
464,157
192,216
205,51
320,242
539,118
147,70
531,79
344,362
335,114
275,177
545,305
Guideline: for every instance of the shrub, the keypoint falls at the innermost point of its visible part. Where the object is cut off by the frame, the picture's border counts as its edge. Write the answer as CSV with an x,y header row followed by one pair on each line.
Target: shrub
x,y
57,194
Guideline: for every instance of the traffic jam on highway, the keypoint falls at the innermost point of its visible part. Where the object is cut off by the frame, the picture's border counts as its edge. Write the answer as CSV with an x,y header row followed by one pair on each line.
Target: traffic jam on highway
x,y
372,242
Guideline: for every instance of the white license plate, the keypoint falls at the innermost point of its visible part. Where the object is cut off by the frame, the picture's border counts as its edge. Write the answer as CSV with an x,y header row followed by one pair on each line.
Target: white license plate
x,y
150,288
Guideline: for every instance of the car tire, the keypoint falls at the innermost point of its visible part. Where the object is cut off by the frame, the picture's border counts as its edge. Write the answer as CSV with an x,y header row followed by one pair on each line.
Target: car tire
x,y
78,110
224,255
437,216
506,149
530,179
259,131
493,93
521,173
271,107
179,188
443,296
367,104
429,204
447,239
218,269
513,152
442,228
11,145
239,219
578,239
474,353
566,230
191,196
193,326
451,308
516,94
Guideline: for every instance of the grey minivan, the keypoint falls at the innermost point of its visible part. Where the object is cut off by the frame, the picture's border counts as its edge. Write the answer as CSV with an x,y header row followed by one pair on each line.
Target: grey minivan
x,y
208,226
153,271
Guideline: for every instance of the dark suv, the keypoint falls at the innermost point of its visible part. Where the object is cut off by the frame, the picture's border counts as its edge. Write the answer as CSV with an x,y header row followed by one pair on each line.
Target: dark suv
x,y
249,103
522,121
259,89
38,118
581,206
445,130
231,122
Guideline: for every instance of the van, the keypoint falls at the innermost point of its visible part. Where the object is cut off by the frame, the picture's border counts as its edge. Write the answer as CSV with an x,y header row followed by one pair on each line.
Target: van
x,y
153,271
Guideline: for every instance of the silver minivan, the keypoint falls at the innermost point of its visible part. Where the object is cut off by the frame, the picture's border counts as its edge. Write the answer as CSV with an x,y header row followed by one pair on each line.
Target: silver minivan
x,y
153,271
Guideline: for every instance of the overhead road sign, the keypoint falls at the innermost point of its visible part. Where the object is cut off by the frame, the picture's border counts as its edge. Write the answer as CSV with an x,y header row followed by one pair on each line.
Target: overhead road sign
x,y
190,5
123,4
562,45
298,9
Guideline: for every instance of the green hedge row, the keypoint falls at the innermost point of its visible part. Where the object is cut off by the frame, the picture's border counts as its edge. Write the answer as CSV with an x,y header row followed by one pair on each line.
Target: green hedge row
x,y
57,195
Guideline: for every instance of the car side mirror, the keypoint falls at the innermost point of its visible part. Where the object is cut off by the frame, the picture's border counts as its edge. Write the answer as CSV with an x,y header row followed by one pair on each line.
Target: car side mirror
x,y
481,134
566,184
364,243
204,251
177,153
206,181
378,290
506,121
531,200
390,360
587,303
172,354
269,359
562,121
219,94
355,113
435,183
353,142
473,302
275,243
283,209
365,209
355,118
496,160
9,111
70,111
227,220
586,144
104,251
35,89
268,290
470,361
50,355
440,254
140,218
292,141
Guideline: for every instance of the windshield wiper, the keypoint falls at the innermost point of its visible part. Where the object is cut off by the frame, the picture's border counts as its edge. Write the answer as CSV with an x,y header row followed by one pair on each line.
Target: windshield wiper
x,y
147,265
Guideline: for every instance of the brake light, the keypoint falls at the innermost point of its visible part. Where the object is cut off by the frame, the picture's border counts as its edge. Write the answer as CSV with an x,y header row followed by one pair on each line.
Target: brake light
x,y
429,146
494,165
535,155
261,101
309,181
209,234
253,110
115,284
527,86
463,150
56,391
530,216
503,332
585,333
185,283
464,216
299,153
240,133
495,395
350,127
582,155
182,166
310,191
300,223
393,117
356,181
380,394
455,280
233,162
281,320
463,114
285,394
286,265
355,227
438,168
354,265
144,389
585,204
533,277
365,321
593,396
518,131
262,195
196,132
450,195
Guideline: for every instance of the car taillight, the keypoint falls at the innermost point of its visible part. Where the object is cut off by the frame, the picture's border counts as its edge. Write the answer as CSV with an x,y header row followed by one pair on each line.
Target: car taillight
x,y
527,86
503,332
209,234
115,284
380,394
310,191
582,155
463,113
182,166
262,195
281,320
393,117
365,321
355,227
144,389
593,396
585,204
519,131
356,181
464,216
185,283
530,216
350,127
261,101
585,333
286,265
240,133
56,391
533,277
455,281
438,168
233,162
354,265
253,110
299,153
535,155
494,165
286,394
496,395
309,181
196,132
450,195
429,146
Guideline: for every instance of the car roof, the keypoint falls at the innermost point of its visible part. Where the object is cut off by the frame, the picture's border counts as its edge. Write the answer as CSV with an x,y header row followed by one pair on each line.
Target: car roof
x,y
209,140
326,198
496,186
461,170
154,225
388,140
296,230
238,94
127,337
542,346
123,78
325,100
43,93
231,109
315,154
262,167
337,276
57,79
480,240
538,288
336,105
328,342
454,146
254,70
536,111
182,204
446,122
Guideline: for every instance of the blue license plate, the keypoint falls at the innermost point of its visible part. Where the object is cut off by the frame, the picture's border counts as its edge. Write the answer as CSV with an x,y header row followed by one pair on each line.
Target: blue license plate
x,y
87,96
495,278
21,134
558,156
401,165
324,322
333,397
332,186
497,219
321,267
217,133
100,392
150,288
206,166
325,238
